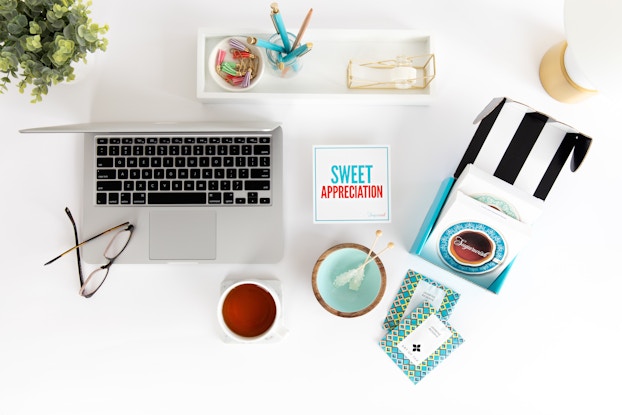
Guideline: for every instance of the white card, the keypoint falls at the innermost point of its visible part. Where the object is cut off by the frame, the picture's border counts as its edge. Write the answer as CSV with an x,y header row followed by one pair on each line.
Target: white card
x,y
351,184
425,340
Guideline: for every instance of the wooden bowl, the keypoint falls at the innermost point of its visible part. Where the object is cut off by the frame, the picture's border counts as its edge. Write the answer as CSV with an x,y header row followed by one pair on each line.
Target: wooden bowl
x,y
343,301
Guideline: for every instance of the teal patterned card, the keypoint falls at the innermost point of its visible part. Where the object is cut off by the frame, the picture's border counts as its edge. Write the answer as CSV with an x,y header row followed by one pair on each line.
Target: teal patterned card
x,y
416,289
420,342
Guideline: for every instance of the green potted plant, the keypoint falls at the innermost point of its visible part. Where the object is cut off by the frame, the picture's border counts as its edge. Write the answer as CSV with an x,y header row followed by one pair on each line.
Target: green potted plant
x,y
40,40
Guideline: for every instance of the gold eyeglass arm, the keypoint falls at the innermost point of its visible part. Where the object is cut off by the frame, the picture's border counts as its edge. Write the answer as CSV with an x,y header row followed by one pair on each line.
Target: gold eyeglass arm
x,y
88,240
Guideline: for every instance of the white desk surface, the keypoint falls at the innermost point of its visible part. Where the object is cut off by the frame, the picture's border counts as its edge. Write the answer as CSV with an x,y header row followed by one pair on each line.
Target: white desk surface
x,y
148,342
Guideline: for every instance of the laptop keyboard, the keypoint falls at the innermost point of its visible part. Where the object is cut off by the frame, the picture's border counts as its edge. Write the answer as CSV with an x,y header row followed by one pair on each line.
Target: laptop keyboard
x,y
183,170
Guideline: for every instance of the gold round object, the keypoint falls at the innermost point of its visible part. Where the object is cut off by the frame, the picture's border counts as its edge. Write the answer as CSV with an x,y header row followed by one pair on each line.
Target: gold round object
x,y
555,78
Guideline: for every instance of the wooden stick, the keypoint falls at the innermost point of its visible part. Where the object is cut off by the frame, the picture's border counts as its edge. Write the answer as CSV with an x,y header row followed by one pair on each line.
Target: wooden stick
x,y
378,235
389,246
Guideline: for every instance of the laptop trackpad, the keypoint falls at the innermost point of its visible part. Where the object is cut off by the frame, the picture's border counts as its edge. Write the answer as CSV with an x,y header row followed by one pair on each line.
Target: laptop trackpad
x,y
176,235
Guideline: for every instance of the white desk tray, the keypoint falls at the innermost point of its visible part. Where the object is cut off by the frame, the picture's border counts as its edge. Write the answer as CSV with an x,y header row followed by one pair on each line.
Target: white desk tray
x,y
324,74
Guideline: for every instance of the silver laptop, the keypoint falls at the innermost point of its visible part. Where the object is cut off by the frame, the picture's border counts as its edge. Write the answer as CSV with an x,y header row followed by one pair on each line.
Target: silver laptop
x,y
195,192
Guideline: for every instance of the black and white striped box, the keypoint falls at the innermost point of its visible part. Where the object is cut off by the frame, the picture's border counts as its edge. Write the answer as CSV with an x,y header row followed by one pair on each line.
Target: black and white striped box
x,y
513,144
523,147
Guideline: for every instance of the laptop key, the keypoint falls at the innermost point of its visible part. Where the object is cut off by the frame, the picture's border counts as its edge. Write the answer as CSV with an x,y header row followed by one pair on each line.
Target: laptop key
x,y
214,198
261,149
257,185
113,198
112,185
176,198
139,198
105,162
106,174
260,173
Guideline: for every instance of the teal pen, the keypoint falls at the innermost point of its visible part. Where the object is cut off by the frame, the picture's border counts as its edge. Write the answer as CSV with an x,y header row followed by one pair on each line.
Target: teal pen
x,y
280,26
298,52
265,44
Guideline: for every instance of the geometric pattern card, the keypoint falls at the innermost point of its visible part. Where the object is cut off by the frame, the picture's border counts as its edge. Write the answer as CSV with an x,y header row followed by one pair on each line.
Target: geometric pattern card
x,y
415,290
420,342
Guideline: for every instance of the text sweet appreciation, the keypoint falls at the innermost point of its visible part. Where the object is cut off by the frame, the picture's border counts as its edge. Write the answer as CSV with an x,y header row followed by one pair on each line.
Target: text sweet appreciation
x,y
351,183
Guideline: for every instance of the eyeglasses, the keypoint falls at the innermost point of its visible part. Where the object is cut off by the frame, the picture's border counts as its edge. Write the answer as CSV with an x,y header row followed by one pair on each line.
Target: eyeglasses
x,y
117,244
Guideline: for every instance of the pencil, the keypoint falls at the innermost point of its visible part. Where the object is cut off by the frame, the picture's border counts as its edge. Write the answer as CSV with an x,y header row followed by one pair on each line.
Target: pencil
x,y
305,23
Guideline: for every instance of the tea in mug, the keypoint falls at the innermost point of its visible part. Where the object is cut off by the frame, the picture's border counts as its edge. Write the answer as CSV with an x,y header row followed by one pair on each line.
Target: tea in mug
x,y
249,310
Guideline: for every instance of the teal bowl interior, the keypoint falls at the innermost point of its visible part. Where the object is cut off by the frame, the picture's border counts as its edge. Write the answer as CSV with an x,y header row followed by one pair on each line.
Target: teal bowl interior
x,y
342,300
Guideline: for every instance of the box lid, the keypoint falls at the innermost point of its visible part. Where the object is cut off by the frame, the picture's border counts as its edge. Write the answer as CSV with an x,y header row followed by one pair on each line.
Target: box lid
x,y
523,147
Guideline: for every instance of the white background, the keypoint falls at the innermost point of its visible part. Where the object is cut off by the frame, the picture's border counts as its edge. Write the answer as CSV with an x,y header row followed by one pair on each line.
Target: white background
x,y
148,342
